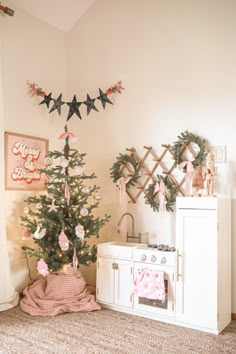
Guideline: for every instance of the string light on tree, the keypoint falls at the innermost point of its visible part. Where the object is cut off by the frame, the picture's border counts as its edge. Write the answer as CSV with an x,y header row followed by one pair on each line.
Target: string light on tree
x,y
63,220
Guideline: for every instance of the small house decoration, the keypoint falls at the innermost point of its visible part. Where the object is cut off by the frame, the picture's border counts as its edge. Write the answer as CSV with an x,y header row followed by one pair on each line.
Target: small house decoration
x,y
63,241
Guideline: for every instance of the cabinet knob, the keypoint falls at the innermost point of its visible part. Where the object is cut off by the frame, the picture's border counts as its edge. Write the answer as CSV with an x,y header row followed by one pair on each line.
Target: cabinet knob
x,y
114,265
144,257
153,259
163,260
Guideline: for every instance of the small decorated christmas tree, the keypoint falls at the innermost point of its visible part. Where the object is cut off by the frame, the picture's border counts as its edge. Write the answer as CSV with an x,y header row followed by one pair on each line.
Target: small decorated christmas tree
x,y
62,219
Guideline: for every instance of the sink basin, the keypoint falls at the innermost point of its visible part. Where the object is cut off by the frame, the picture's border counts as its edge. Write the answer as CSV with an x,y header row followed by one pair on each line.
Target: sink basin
x,y
124,244
119,249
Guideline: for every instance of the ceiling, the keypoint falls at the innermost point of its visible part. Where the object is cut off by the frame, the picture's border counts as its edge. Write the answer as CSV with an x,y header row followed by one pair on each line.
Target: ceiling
x,y
62,14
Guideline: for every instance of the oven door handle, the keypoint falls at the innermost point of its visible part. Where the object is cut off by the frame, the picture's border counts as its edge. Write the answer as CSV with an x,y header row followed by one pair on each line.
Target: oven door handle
x,y
178,274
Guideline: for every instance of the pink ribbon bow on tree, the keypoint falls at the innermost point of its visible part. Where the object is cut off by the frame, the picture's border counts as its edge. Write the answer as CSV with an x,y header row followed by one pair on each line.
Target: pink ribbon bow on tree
x,y
67,193
160,187
75,260
188,175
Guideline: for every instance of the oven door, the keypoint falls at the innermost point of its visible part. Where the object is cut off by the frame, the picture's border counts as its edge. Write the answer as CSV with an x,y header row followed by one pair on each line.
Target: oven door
x,y
163,307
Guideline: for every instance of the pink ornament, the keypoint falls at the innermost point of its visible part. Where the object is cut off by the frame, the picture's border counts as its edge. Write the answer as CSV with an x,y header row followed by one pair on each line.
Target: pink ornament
x,y
42,267
63,241
25,233
97,196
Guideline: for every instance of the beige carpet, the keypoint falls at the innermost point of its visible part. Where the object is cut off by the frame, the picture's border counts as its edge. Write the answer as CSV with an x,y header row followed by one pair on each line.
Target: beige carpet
x,y
105,332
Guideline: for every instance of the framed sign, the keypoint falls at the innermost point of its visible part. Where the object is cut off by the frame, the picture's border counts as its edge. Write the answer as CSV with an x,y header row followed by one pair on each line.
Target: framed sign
x,y
24,155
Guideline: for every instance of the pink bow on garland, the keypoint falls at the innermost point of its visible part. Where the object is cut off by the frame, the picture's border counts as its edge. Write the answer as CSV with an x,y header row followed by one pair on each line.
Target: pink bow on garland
x,y
34,90
160,187
117,88
188,175
121,183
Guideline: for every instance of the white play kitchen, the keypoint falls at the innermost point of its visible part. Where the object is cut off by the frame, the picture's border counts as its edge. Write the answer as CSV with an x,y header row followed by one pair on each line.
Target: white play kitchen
x,y
187,285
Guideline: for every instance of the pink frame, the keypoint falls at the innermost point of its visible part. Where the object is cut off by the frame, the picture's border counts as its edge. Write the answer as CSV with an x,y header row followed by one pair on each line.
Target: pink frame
x,y
24,155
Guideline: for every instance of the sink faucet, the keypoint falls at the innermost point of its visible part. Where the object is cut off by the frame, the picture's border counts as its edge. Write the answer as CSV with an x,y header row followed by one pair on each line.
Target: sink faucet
x,y
132,218
132,236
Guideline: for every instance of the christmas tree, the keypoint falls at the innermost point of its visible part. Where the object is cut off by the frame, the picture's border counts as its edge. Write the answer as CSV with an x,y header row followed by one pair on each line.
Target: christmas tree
x,y
62,219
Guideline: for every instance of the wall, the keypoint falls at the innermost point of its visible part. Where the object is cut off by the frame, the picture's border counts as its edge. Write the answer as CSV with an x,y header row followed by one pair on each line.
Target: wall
x,y
34,51
176,59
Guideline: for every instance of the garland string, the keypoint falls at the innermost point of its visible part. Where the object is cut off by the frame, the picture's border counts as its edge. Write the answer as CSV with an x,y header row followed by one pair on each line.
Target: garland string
x,y
74,105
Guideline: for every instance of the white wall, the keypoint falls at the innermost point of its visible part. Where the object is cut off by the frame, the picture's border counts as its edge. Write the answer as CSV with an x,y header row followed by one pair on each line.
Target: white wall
x,y
177,60
34,51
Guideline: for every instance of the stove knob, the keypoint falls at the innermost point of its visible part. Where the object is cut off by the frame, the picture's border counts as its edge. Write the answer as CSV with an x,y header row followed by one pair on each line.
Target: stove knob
x,y
163,260
144,258
153,259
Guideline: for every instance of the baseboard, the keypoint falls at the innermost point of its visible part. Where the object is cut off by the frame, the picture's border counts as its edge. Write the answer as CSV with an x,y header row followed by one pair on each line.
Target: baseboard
x,y
233,316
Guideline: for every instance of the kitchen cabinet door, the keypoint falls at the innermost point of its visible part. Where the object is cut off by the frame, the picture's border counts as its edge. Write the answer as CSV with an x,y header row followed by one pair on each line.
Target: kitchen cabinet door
x,y
105,280
123,283
114,281
203,279
196,241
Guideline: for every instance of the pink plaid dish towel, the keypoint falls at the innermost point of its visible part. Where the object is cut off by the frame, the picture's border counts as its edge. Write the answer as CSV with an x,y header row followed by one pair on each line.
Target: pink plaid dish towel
x,y
149,283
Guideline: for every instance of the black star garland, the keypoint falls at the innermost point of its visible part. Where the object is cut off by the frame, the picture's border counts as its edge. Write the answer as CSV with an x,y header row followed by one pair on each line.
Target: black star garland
x,y
74,105
74,108
90,104
47,99
57,104
103,98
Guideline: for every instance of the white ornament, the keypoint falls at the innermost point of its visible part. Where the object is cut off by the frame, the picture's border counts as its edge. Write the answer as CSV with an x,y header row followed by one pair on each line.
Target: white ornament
x,y
40,233
78,170
26,210
84,212
79,231
39,205
53,207
64,162
86,190
48,161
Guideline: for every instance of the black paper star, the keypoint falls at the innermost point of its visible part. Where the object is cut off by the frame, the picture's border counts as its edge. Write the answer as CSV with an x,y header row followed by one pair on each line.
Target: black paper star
x,y
47,99
74,108
90,104
57,105
103,98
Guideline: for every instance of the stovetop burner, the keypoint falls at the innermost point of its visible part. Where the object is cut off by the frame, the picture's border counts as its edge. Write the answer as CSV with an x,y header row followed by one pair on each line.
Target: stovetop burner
x,y
162,247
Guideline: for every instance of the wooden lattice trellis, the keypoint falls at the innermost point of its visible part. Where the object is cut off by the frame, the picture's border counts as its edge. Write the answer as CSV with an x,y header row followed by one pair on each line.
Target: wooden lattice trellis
x,y
149,173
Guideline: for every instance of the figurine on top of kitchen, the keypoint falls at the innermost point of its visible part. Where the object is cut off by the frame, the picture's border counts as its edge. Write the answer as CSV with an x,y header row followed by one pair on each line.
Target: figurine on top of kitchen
x,y
198,182
210,174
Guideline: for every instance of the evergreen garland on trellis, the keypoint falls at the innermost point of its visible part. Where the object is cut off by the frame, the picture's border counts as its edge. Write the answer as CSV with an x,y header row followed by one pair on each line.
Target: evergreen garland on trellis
x,y
170,196
124,160
186,138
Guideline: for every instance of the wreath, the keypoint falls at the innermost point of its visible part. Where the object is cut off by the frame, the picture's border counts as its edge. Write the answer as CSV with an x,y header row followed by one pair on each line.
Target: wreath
x,y
186,138
170,197
128,161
